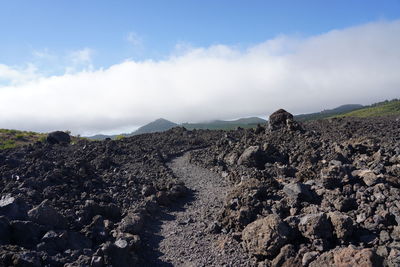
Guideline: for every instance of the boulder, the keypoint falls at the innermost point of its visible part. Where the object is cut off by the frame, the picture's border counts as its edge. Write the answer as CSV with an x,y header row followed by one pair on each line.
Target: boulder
x,y
282,119
251,157
394,258
53,242
368,176
351,256
286,255
58,137
78,241
346,257
342,224
266,236
27,258
117,254
298,191
25,233
4,231
13,208
315,226
44,214
345,204
132,223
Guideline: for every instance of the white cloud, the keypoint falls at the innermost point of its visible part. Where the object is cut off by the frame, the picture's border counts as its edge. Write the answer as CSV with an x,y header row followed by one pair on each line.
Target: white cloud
x,y
134,39
14,75
82,56
355,65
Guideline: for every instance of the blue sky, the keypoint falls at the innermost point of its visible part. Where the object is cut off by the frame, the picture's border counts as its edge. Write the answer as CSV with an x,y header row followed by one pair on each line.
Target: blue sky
x,y
59,27
110,66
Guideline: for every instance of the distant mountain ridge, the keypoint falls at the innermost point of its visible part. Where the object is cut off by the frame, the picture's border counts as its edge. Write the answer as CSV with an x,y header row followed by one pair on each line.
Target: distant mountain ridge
x,y
356,110
161,125
328,112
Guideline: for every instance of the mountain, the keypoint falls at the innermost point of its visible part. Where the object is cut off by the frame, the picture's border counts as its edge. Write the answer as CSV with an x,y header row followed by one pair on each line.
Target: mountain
x,y
328,112
159,125
226,125
384,108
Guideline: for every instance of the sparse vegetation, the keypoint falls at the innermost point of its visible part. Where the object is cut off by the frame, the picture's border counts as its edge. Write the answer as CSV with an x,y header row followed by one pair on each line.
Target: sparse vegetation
x,y
385,108
14,138
119,137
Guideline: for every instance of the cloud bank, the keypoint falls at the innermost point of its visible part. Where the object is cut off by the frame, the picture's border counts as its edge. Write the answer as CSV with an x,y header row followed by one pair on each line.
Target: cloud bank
x,y
354,65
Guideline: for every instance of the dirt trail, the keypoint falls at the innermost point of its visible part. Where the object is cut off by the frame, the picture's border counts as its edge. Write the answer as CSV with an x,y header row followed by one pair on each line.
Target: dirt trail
x,y
183,236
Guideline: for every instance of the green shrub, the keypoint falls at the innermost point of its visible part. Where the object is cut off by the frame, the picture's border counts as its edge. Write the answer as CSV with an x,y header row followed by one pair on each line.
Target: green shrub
x,y
119,137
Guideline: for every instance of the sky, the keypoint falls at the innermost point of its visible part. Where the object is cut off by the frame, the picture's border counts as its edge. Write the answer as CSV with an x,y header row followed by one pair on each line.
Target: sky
x,y
110,66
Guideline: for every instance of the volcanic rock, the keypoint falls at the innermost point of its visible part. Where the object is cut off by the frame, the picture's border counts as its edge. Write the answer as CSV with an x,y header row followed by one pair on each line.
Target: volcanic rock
x,y
349,256
368,176
265,237
25,233
315,226
282,119
342,224
251,157
4,231
13,208
58,137
132,223
298,191
44,214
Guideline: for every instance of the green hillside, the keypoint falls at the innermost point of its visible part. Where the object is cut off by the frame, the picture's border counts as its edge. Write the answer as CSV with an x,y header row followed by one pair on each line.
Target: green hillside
x,y
379,109
14,138
328,113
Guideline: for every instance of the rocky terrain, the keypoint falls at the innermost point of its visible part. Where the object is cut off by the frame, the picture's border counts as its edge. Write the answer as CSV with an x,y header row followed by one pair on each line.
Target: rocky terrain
x,y
322,193
326,193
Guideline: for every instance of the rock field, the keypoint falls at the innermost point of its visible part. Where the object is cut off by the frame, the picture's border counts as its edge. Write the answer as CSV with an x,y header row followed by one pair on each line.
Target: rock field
x,y
321,193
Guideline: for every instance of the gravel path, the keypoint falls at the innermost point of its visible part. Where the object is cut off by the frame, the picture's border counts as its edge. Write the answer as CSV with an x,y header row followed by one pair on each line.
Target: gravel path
x,y
182,236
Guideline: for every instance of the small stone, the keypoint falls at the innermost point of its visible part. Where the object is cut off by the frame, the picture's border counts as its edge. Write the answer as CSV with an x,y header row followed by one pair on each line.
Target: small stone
x,y
121,243
396,233
97,261
384,236
309,257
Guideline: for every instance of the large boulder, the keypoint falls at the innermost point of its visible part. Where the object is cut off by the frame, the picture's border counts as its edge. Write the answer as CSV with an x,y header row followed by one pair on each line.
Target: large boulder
x,y
44,214
315,226
252,157
266,236
368,176
58,137
4,231
342,224
346,257
25,233
298,192
132,223
13,208
282,119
